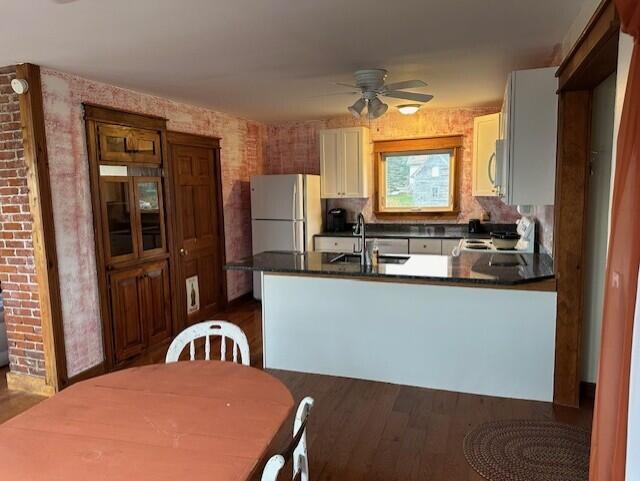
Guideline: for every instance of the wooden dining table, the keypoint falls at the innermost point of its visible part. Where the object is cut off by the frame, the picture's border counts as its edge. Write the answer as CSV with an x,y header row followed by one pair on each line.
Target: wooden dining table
x,y
192,420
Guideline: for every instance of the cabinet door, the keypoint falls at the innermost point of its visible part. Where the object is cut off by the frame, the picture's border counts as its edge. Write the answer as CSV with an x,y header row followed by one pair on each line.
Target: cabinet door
x,y
330,179
115,143
119,227
336,244
121,144
486,131
156,302
149,215
532,137
448,245
148,149
129,337
425,246
391,246
352,166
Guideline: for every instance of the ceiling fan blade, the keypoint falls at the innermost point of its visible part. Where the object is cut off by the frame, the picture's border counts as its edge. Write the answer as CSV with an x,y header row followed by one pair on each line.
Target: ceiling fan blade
x,y
397,94
407,84
335,93
342,84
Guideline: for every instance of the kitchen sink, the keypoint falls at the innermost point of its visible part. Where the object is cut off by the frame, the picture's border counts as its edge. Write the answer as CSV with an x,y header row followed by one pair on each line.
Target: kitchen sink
x,y
355,259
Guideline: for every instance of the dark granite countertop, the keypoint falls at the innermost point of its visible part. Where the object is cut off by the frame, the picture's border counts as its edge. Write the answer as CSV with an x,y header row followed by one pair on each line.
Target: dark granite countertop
x,y
467,268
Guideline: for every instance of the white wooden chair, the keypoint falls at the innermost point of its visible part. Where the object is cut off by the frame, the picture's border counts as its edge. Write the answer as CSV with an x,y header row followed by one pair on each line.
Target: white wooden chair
x,y
205,330
297,448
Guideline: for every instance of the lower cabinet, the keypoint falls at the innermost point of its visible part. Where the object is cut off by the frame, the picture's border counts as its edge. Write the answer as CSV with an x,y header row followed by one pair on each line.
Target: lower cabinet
x,y
388,246
391,246
140,308
336,244
425,246
432,246
448,245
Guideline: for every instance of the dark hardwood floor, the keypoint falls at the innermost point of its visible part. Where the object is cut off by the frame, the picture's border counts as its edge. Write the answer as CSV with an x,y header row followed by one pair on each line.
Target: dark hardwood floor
x,y
13,403
361,430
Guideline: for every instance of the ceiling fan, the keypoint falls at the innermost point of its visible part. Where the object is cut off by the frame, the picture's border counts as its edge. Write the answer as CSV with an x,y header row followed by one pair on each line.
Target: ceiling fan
x,y
370,85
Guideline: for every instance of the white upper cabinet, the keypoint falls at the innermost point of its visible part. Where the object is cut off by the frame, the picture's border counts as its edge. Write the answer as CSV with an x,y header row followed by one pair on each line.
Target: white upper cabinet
x,y
345,162
486,131
526,151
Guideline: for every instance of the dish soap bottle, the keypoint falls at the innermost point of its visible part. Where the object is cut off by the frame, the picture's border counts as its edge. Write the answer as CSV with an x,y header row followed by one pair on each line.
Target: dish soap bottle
x,y
375,254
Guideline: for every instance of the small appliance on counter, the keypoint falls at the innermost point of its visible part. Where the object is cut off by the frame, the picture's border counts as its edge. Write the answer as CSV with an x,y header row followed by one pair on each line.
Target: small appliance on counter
x,y
521,241
337,220
474,226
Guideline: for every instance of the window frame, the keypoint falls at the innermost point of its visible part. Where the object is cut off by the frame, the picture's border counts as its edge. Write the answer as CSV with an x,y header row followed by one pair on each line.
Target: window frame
x,y
383,148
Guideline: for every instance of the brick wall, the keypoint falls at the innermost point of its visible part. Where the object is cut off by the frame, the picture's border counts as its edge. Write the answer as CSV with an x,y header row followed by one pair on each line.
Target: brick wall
x,y
17,270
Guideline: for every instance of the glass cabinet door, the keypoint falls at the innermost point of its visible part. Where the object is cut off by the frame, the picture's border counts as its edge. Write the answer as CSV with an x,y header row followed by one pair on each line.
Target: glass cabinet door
x,y
150,215
119,237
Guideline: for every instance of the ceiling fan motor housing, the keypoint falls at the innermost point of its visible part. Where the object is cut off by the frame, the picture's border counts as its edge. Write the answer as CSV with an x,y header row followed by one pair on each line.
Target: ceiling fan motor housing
x,y
370,79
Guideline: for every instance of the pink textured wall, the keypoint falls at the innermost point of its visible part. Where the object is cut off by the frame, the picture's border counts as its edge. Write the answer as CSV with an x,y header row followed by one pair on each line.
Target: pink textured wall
x,y
243,148
293,148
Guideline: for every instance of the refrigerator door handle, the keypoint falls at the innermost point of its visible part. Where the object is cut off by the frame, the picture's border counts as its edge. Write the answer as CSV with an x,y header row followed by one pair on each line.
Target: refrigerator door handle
x,y
294,201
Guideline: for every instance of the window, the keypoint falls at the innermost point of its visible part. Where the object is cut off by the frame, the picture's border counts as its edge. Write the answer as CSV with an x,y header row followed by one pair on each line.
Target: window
x,y
417,176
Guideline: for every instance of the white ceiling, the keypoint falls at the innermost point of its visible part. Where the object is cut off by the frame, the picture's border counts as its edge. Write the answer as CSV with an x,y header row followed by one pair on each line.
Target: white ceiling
x,y
271,60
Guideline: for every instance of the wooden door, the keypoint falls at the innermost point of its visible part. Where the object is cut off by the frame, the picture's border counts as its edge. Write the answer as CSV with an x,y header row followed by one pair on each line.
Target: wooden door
x,y
200,231
156,302
129,337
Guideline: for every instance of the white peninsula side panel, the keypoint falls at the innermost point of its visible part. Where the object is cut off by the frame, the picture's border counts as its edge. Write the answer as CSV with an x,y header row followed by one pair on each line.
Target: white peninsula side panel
x,y
497,342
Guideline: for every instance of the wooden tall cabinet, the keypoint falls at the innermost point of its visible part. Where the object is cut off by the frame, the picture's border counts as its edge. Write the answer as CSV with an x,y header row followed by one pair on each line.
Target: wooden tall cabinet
x,y
130,186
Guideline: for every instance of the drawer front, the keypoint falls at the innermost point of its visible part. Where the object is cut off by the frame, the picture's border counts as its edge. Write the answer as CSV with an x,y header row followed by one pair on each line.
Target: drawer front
x,y
448,245
425,246
335,244
392,246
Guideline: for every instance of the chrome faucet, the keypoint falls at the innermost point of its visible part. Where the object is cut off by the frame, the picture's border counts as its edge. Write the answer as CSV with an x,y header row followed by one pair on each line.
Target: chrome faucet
x,y
361,230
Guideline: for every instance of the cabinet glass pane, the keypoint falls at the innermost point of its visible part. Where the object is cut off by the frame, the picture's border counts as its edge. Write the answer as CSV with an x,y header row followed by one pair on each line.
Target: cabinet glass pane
x,y
116,195
150,221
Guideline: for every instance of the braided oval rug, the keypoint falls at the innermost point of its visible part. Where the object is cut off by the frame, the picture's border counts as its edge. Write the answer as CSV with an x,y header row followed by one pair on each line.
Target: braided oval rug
x,y
522,450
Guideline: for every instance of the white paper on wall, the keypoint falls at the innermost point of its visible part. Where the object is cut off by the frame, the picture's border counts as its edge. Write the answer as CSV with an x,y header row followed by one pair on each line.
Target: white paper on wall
x,y
193,295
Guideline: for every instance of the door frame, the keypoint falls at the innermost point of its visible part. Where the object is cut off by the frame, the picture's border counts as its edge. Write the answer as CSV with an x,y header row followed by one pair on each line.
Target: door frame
x,y
591,60
213,143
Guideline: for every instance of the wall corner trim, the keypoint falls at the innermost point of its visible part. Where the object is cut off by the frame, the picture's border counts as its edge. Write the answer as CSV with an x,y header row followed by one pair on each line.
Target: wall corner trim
x,y
31,384
43,232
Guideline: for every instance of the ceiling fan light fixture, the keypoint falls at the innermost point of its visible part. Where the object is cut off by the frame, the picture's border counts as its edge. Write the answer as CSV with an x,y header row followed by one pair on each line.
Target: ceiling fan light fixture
x,y
377,108
408,109
357,108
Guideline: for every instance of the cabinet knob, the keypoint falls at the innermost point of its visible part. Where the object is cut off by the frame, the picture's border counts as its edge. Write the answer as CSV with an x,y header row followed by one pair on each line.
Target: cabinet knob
x,y
183,252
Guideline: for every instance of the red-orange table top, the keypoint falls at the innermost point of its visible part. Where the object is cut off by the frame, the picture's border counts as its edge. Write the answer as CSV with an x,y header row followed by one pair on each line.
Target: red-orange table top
x,y
192,421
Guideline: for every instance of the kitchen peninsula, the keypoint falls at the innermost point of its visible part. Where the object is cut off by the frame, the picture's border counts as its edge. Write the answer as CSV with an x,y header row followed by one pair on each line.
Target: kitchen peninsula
x,y
480,323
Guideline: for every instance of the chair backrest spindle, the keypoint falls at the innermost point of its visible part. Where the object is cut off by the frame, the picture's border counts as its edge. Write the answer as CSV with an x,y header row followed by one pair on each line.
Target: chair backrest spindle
x,y
207,348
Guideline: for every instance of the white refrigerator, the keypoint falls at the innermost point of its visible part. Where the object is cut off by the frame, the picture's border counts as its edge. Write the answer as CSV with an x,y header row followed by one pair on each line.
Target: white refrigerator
x,y
286,212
